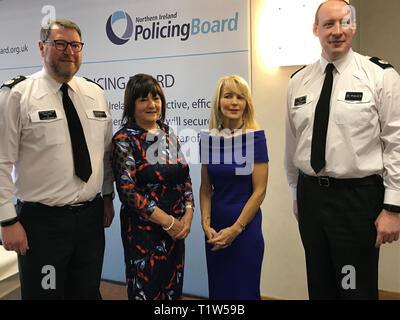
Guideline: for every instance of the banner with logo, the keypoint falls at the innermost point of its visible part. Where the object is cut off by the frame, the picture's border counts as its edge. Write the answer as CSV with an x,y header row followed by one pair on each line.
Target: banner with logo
x,y
187,45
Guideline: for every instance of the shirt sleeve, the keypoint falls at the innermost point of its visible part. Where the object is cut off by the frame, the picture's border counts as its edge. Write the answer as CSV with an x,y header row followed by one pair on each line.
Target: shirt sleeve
x,y
124,168
108,180
290,147
9,144
388,104
188,191
260,147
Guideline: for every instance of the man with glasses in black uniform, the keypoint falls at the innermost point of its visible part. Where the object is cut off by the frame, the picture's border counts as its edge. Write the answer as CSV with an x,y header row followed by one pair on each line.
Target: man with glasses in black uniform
x,y
56,133
342,159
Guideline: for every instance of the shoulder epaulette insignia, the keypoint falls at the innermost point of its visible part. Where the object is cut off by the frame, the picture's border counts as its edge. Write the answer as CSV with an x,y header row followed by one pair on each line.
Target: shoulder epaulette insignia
x,y
382,63
13,82
297,71
90,80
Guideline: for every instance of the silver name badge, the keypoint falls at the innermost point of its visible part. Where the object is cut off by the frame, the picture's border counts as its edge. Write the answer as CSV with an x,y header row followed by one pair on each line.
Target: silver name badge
x,y
300,100
47,115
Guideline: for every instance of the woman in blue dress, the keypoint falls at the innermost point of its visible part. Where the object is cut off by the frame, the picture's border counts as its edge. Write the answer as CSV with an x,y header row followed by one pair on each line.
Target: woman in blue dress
x,y
234,179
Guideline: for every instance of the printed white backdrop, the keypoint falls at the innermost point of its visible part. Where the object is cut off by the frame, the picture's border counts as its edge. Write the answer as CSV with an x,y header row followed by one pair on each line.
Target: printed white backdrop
x,y
186,45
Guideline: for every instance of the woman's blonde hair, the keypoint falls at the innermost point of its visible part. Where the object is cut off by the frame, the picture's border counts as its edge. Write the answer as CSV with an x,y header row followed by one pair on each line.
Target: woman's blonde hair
x,y
237,85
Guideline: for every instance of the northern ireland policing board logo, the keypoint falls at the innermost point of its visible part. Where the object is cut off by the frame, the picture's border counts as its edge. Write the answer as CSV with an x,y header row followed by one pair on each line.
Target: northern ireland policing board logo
x,y
120,29
126,35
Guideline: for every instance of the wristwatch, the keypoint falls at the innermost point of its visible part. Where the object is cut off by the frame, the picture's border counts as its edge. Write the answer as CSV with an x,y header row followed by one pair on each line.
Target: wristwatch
x,y
9,222
391,208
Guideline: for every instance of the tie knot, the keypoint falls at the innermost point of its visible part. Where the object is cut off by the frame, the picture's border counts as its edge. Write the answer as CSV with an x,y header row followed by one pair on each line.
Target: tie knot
x,y
329,67
64,88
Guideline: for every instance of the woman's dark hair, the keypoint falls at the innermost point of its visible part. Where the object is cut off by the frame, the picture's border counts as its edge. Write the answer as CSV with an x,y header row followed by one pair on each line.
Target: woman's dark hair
x,y
139,86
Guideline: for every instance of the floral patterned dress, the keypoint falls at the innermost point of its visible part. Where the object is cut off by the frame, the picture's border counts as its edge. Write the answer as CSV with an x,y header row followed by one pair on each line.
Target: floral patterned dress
x,y
150,171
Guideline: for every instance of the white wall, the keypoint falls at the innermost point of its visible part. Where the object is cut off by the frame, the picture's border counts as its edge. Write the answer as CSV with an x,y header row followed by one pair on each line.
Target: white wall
x,y
379,26
283,272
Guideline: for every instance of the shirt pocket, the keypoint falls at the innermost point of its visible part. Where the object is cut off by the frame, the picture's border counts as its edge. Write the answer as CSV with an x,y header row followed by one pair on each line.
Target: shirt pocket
x,y
353,107
97,119
302,111
48,125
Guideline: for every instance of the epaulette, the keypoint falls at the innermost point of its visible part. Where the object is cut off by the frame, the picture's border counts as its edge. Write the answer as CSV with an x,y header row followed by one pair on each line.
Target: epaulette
x,y
297,71
11,83
90,80
382,63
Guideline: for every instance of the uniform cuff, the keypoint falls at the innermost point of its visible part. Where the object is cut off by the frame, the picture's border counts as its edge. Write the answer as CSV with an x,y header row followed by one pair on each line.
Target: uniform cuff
x,y
392,197
7,212
293,193
107,188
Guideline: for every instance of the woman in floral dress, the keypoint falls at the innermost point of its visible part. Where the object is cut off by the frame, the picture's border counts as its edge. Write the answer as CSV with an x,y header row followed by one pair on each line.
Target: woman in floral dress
x,y
155,191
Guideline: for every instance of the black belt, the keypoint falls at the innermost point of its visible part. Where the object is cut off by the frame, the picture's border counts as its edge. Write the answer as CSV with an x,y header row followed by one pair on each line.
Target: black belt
x,y
327,182
72,207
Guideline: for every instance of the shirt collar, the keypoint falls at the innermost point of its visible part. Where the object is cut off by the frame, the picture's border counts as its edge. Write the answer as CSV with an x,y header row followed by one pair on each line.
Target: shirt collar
x,y
53,85
340,65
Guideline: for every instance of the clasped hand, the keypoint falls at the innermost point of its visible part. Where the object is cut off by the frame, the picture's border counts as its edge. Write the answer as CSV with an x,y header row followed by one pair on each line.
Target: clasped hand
x,y
181,228
223,238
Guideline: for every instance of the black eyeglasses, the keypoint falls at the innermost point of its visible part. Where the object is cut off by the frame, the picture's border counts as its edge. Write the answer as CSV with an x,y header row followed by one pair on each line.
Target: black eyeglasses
x,y
62,45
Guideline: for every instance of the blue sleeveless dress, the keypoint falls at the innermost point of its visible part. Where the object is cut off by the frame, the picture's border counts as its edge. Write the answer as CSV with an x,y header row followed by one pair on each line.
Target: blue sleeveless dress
x,y
234,272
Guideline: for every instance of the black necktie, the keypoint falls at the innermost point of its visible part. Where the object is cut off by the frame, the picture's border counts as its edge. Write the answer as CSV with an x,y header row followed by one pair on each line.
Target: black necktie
x,y
321,118
83,168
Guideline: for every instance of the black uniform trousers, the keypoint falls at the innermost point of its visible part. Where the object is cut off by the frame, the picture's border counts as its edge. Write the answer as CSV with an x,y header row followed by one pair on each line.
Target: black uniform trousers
x,y
66,249
337,229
